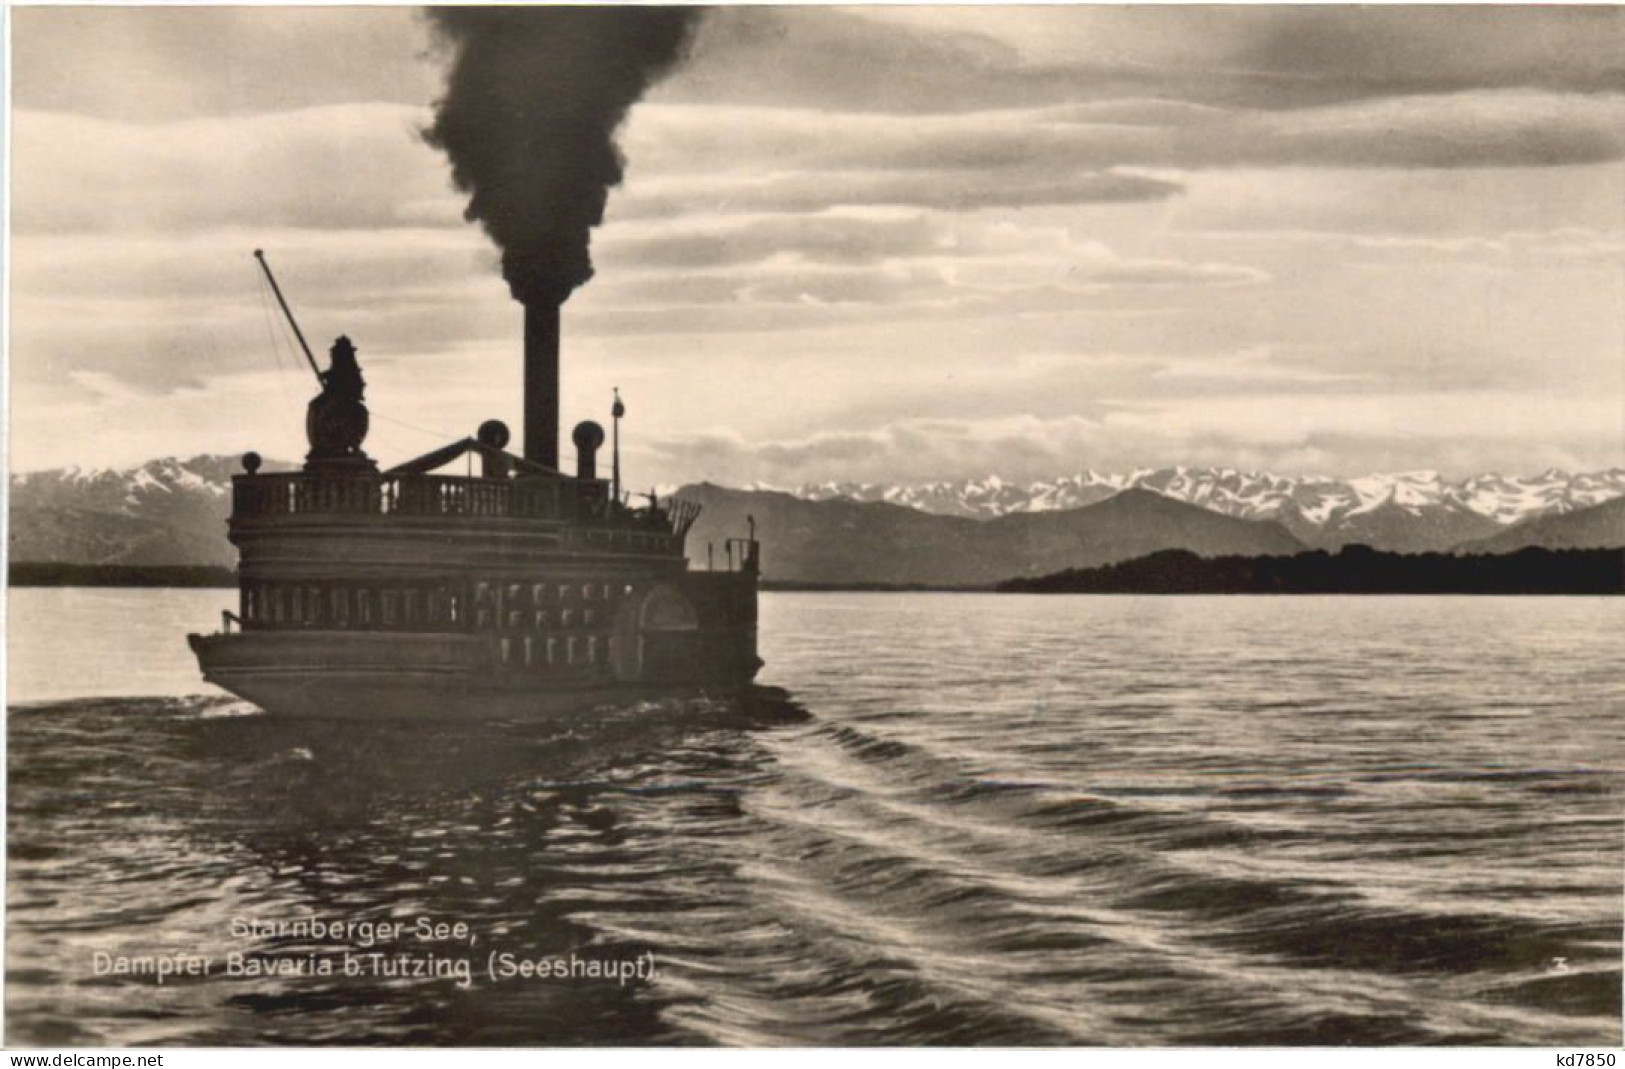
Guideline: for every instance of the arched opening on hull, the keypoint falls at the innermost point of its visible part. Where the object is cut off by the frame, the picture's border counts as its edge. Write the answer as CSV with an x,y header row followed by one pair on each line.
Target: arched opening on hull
x,y
660,638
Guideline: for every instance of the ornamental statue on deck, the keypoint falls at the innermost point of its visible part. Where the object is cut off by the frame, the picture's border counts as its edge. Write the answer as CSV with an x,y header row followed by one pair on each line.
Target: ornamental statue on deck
x,y
336,421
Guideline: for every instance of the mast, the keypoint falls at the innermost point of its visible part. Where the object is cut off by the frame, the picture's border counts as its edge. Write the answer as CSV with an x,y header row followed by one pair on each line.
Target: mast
x,y
618,410
259,254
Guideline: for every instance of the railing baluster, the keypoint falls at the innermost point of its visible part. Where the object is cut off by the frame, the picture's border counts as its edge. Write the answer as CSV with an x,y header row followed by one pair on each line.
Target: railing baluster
x,y
594,522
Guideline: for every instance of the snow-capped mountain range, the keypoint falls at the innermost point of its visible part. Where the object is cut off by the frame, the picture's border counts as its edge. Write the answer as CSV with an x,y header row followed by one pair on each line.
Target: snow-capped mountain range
x,y
1406,511
172,511
126,487
166,511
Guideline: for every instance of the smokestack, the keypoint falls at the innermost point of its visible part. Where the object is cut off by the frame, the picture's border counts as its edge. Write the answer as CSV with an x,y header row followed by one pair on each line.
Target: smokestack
x,y
542,382
533,100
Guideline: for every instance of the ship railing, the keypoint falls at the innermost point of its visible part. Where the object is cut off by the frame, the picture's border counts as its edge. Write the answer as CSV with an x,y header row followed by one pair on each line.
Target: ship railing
x,y
298,493
743,555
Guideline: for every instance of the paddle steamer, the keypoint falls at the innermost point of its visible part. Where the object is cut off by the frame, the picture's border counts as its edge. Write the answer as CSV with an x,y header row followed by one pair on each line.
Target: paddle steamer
x,y
517,592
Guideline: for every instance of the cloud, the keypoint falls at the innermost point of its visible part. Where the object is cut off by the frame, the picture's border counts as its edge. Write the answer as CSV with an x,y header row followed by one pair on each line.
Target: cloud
x,y
831,238
1561,246
364,165
340,167
1238,206
1505,128
1027,146
1047,233
162,63
162,312
1371,51
927,59
909,254
815,190
217,264
1336,436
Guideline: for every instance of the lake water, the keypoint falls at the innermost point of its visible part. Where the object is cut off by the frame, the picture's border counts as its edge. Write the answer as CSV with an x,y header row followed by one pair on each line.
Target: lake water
x,y
975,819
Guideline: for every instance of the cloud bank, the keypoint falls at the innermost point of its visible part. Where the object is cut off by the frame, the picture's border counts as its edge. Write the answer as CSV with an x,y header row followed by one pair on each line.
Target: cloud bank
x,y
928,241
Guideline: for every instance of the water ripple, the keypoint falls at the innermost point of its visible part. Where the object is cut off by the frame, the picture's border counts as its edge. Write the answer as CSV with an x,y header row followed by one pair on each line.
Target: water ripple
x,y
980,820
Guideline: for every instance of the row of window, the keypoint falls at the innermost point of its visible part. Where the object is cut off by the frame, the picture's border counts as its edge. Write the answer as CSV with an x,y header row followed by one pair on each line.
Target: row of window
x,y
273,604
485,606
535,651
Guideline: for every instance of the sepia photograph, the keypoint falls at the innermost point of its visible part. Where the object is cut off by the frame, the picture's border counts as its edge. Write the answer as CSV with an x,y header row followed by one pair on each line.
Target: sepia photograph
x,y
759,526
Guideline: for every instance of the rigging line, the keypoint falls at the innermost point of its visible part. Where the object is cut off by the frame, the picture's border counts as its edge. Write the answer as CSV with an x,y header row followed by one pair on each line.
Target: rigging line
x,y
443,435
288,331
276,351
270,329
390,442
282,339
413,426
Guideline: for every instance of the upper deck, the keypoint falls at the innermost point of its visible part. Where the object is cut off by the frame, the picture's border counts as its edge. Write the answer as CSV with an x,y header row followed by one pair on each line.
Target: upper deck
x,y
579,511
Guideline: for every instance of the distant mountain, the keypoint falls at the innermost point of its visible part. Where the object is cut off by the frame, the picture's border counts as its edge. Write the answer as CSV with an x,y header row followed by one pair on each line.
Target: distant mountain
x,y
841,541
1393,524
977,499
838,541
173,512
165,512
1598,527
1406,512
1131,524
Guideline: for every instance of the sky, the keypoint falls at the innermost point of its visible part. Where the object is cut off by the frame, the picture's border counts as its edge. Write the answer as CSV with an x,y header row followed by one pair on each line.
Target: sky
x,y
873,244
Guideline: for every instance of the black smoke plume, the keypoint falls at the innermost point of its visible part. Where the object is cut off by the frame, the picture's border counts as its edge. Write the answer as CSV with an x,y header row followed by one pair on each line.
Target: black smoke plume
x,y
533,100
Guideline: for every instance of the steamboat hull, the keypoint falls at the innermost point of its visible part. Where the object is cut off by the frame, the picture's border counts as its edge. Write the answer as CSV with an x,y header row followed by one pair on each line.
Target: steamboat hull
x,y
331,676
